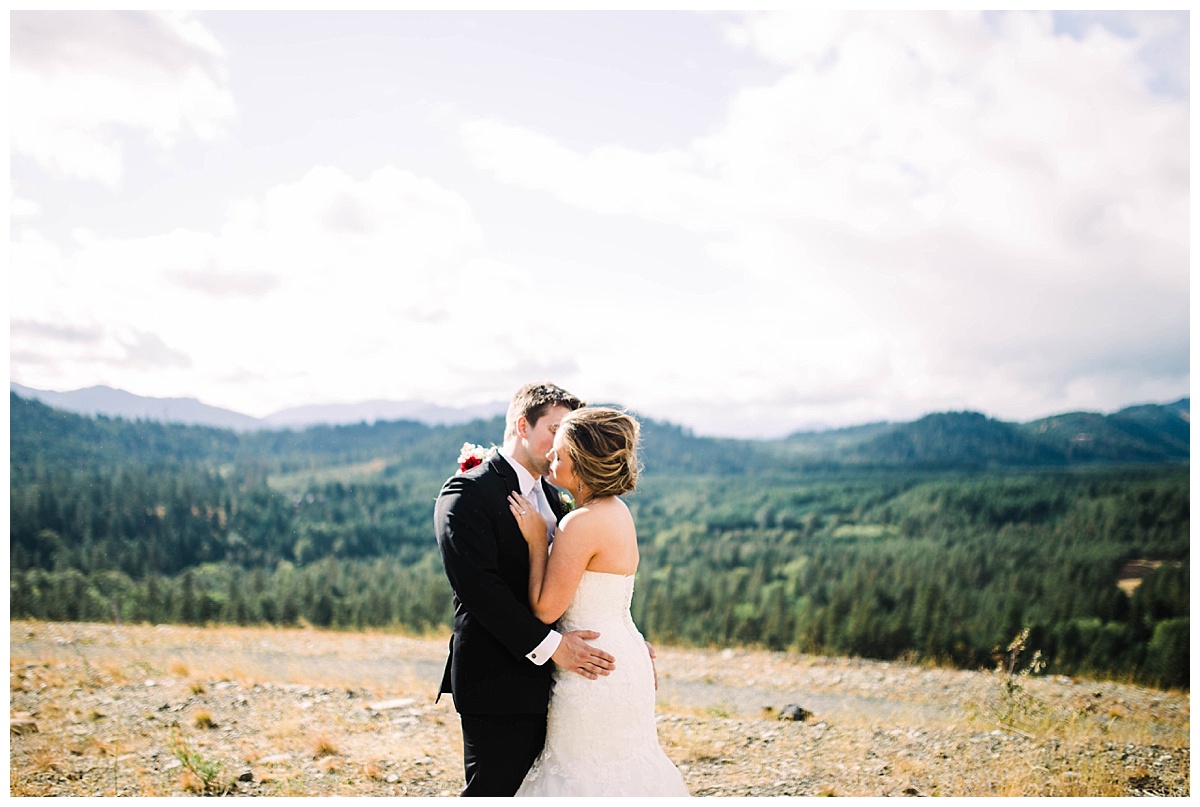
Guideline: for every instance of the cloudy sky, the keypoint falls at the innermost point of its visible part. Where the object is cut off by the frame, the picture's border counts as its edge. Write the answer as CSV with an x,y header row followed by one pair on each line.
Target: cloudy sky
x,y
745,223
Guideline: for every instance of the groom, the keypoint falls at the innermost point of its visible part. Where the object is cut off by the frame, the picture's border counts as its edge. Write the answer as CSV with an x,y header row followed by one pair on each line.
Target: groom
x,y
497,670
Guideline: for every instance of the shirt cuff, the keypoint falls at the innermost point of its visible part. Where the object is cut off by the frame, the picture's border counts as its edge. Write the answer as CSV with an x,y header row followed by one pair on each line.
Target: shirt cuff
x,y
542,653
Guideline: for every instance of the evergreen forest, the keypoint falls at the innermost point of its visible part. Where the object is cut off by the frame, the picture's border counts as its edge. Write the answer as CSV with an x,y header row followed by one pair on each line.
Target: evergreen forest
x,y
936,541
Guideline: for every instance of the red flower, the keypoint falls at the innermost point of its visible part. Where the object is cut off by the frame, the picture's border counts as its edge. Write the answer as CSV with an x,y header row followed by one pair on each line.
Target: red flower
x,y
472,455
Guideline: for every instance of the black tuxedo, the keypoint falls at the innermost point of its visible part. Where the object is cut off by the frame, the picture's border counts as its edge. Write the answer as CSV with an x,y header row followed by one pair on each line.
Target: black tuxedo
x,y
487,561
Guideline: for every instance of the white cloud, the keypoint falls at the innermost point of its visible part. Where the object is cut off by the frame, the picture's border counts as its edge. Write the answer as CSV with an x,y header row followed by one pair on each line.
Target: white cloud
x,y
21,208
384,279
86,86
665,186
946,207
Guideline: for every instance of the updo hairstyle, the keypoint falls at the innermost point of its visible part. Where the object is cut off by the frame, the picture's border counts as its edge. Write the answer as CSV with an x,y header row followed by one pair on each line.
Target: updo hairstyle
x,y
602,444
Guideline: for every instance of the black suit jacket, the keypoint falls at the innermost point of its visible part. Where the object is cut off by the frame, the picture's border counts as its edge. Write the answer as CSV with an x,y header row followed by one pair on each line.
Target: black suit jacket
x,y
487,562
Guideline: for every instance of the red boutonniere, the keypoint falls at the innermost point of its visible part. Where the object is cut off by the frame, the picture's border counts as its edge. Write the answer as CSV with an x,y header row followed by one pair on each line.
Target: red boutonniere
x,y
472,455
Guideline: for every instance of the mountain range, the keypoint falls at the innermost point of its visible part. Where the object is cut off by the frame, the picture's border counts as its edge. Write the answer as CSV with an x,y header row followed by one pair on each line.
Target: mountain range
x,y
1149,433
116,403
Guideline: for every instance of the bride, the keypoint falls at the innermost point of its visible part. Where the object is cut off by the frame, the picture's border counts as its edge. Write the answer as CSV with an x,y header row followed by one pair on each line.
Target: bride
x,y
601,738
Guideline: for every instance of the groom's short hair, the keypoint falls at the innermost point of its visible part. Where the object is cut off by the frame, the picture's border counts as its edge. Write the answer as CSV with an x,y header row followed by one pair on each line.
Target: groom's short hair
x,y
531,402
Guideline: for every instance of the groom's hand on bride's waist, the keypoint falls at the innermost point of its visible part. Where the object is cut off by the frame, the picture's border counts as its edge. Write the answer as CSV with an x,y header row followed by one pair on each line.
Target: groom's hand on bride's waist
x,y
576,655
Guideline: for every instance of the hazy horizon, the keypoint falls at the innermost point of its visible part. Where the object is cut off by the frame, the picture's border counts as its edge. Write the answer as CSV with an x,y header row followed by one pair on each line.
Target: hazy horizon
x,y
276,420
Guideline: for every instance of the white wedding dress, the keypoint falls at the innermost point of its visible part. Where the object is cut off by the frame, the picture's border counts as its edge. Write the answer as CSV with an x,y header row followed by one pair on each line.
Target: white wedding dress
x,y
601,738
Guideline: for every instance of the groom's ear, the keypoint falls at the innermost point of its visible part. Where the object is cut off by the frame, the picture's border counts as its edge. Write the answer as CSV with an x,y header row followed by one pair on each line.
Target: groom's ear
x,y
522,426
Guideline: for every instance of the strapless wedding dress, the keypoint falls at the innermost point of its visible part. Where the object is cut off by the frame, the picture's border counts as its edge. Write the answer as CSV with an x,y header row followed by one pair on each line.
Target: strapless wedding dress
x,y
601,738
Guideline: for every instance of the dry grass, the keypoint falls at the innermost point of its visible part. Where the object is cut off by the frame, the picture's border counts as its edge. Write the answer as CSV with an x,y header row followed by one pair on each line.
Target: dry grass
x,y
291,713
322,746
203,719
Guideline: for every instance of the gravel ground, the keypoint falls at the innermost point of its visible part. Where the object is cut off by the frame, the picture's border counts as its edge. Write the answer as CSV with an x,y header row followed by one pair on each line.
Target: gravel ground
x,y
160,711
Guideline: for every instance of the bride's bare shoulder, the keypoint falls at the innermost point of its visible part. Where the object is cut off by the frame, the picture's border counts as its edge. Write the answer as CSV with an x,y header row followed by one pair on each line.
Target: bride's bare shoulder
x,y
601,515
604,519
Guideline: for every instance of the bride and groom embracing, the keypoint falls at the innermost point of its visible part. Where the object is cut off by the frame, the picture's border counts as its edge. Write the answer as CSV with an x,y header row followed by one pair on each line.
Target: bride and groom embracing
x,y
584,724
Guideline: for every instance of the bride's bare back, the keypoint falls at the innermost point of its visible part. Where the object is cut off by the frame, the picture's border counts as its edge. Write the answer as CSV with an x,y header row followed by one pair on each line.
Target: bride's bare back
x,y
607,526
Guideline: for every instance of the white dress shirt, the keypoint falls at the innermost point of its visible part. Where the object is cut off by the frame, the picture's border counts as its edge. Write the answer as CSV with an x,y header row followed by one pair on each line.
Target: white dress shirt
x,y
531,488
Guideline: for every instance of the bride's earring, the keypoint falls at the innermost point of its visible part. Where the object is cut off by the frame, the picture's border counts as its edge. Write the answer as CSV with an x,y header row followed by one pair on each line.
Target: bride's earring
x,y
579,488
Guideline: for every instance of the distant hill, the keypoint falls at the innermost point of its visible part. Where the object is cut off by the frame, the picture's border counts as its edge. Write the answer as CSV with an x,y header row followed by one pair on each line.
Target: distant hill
x,y
949,440
1146,433
40,434
117,403
956,438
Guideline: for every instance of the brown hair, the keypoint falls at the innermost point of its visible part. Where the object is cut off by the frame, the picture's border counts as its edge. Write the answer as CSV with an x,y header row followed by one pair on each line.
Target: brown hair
x,y
531,402
602,444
